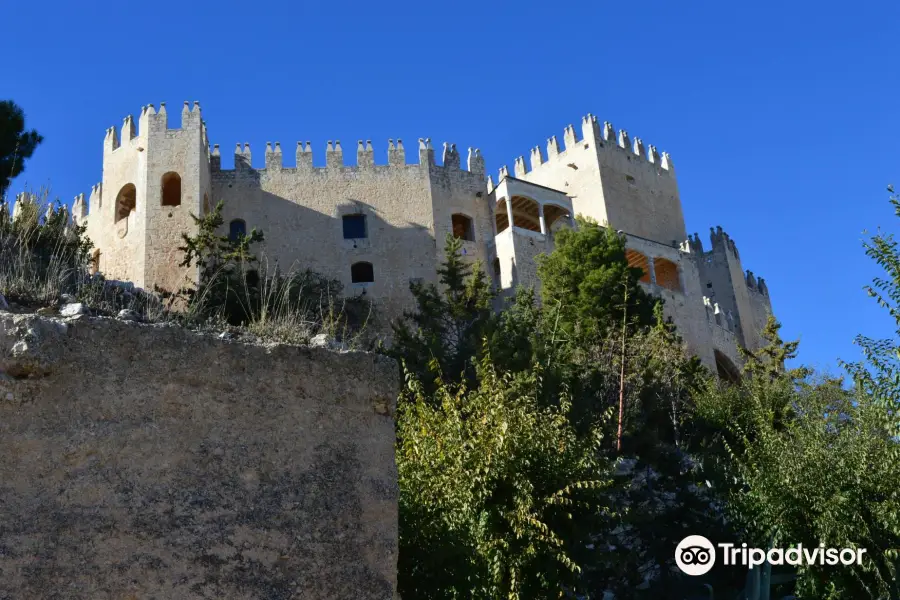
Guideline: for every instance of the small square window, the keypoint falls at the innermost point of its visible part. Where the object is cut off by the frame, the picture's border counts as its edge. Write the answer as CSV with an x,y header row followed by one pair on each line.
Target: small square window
x,y
354,227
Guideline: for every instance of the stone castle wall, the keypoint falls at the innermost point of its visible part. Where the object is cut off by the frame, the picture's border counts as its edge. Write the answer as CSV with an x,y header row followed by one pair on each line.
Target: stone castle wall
x,y
151,462
409,206
612,179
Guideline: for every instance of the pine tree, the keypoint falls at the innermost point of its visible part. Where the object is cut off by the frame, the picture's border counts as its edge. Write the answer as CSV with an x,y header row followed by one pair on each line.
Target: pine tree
x,y
588,279
442,337
770,360
16,144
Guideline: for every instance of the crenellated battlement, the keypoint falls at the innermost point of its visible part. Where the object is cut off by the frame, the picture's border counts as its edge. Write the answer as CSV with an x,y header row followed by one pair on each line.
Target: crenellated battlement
x,y
153,120
374,222
24,201
715,315
365,157
600,136
756,284
693,244
722,241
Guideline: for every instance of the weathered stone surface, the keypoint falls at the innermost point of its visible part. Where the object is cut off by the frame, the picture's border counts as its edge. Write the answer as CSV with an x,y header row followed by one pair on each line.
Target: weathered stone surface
x,y
323,340
406,208
150,462
126,314
70,310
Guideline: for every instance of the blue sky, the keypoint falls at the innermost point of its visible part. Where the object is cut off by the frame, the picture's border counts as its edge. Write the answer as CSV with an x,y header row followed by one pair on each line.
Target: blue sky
x,y
781,117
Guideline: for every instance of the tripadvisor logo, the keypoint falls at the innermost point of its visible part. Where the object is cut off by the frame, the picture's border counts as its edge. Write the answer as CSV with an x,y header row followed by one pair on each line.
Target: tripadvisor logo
x,y
696,555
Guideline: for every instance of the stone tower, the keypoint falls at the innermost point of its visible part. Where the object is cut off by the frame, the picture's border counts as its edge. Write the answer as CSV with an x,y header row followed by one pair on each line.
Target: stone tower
x,y
613,179
153,178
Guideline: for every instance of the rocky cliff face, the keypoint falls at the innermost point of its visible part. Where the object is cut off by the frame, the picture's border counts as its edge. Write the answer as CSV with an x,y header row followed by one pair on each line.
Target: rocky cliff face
x,y
145,461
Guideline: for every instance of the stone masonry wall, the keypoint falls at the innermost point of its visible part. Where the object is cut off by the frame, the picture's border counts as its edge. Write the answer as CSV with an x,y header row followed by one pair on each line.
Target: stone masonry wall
x,y
619,181
407,208
152,462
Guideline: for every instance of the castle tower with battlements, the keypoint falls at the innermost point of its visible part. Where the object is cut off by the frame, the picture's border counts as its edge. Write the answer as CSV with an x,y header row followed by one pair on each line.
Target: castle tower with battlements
x,y
377,225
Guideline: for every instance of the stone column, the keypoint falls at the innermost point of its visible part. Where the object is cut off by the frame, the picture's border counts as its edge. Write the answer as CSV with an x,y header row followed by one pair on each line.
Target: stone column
x,y
652,270
509,212
541,218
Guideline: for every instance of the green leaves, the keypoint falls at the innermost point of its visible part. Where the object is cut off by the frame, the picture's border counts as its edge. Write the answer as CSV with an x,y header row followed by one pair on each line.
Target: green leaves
x,y
498,480
441,339
588,277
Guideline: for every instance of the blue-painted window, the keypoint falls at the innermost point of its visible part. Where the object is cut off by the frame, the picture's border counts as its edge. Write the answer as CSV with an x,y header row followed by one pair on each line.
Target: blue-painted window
x,y
354,227
236,229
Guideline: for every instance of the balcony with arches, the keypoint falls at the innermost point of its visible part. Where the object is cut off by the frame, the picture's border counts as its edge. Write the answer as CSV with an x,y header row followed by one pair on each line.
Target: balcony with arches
x,y
529,209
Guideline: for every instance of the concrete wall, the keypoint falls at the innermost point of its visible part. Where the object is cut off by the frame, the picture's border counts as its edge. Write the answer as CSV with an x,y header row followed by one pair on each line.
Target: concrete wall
x,y
150,462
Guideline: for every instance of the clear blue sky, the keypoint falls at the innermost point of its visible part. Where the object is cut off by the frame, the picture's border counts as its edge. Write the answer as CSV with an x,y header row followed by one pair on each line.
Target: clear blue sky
x,y
781,117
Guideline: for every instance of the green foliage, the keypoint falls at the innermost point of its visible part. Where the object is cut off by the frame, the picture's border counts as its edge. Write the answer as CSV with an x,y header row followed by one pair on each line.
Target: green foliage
x,y
498,491
878,377
824,477
16,144
441,338
43,255
587,276
284,307
769,361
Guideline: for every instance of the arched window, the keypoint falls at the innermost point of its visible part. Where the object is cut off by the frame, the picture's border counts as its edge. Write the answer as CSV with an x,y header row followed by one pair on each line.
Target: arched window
x,y
501,216
526,213
666,274
498,281
171,189
638,261
555,217
126,201
726,369
355,227
463,227
237,229
362,272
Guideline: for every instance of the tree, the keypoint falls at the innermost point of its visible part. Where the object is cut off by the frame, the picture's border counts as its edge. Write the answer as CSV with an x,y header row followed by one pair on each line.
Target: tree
x,y
223,264
824,477
16,144
499,494
587,276
770,360
879,375
442,337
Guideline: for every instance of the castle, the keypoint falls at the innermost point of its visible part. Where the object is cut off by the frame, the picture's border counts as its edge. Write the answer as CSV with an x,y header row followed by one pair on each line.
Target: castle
x,y
376,227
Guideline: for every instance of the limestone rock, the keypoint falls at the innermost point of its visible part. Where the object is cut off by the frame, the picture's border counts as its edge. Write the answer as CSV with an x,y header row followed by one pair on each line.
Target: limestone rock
x,y
70,310
126,314
323,340
220,453
67,299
